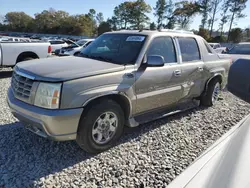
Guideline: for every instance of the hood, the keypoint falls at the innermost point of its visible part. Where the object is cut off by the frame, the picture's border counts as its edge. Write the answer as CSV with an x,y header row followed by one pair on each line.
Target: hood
x,y
225,164
58,69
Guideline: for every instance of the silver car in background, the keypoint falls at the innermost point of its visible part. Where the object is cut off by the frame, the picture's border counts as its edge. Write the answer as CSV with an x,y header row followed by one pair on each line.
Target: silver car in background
x,y
75,48
239,51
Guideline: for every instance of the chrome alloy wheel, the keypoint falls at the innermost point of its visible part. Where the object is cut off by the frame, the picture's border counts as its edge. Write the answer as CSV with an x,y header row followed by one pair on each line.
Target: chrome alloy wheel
x,y
216,92
104,128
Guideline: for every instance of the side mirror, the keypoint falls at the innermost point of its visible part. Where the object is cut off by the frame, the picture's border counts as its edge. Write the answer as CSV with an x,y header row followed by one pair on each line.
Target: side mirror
x,y
155,61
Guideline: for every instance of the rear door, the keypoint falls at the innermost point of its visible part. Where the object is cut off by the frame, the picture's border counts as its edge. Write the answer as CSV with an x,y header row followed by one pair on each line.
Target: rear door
x,y
192,67
159,86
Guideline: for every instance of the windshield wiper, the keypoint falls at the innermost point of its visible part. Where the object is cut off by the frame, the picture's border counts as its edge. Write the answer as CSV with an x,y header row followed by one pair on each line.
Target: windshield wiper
x,y
103,58
97,57
106,59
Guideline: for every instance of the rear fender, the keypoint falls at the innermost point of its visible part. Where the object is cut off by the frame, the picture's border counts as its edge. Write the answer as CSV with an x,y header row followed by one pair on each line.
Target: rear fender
x,y
215,75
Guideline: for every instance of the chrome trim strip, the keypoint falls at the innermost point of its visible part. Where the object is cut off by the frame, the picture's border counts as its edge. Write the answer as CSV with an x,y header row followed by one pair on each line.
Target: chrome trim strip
x,y
24,75
178,49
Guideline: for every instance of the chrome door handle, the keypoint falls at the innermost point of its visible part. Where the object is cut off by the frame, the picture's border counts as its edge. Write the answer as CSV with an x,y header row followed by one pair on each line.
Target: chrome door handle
x,y
177,73
200,69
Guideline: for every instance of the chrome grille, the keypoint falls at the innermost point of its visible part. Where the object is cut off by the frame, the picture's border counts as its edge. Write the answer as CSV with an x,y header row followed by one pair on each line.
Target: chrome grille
x,y
21,86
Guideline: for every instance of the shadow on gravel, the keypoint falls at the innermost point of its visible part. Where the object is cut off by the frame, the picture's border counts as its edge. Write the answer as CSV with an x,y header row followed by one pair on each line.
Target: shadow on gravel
x,y
25,157
5,74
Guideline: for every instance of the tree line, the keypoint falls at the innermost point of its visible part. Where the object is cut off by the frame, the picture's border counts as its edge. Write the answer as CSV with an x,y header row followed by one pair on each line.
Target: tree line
x,y
131,15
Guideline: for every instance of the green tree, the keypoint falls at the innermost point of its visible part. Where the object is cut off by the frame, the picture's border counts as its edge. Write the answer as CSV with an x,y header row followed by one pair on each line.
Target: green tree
x,y
204,33
92,16
235,7
205,8
104,27
184,12
224,16
247,30
214,10
113,23
160,11
139,11
152,26
51,21
18,21
122,14
99,18
170,15
235,35
218,39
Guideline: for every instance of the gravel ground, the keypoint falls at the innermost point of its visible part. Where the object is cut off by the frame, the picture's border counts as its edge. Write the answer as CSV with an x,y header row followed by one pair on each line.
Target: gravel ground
x,y
150,155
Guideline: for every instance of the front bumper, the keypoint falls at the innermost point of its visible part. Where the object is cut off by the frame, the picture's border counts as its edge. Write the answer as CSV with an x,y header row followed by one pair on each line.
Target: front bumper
x,y
59,125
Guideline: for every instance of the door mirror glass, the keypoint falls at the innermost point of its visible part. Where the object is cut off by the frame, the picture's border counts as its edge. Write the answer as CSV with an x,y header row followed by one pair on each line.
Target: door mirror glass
x,y
155,61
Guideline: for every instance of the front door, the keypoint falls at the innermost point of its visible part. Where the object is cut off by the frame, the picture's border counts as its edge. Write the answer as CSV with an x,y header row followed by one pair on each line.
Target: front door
x,y
157,87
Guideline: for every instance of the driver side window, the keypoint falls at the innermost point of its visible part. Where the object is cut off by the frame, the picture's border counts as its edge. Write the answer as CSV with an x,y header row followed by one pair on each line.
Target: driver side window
x,y
163,46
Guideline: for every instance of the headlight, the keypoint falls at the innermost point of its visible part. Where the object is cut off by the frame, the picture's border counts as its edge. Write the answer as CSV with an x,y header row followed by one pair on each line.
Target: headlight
x,y
70,49
48,95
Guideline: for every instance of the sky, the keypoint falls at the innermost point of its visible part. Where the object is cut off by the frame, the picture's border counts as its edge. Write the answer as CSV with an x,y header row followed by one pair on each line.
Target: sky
x,y
31,7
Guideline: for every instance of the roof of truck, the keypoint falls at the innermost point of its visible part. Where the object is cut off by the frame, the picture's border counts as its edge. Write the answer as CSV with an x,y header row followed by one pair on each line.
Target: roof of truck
x,y
155,32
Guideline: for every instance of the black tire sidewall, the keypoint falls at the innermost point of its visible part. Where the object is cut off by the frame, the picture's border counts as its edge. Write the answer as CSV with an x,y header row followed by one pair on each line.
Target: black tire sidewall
x,y
27,59
84,133
207,99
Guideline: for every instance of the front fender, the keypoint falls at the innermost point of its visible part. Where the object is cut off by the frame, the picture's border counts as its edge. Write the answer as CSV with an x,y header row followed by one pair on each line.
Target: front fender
x,y
84,97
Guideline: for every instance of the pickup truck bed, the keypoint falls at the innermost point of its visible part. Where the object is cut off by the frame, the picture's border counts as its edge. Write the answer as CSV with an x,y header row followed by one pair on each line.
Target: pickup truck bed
x,y
14,52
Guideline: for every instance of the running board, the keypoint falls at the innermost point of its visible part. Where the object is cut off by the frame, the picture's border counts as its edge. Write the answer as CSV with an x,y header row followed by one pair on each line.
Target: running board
x,y
162,113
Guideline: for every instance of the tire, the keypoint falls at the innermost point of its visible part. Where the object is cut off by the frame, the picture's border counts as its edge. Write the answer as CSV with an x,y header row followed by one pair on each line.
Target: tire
x,y
27,58
212,93
86,137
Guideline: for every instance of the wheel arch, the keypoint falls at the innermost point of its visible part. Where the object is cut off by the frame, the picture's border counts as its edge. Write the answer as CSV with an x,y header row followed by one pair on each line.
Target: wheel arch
x,y
218,76
119,97
26,54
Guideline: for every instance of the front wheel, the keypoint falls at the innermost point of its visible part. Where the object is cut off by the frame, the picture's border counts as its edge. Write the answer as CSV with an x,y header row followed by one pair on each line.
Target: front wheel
x,y
100,127
212,94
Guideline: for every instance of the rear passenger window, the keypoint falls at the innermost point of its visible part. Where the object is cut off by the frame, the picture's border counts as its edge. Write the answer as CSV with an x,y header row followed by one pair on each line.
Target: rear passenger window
x,y
164,47
189,49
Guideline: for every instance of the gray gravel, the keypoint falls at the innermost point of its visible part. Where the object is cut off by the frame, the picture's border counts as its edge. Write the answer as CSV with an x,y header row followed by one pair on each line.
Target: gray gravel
x,y
150,155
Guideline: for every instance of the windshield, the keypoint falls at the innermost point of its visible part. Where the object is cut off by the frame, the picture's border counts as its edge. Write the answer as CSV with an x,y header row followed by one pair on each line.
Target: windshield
x,y
115,48
78,43
240,49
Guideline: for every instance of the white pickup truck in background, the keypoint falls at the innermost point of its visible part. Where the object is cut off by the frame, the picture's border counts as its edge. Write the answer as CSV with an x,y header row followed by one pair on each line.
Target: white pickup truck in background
x,y
14,52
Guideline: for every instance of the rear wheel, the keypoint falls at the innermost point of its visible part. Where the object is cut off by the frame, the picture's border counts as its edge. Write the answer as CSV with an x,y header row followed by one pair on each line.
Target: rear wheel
x,y
100,127
27,59
24,59
212,94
